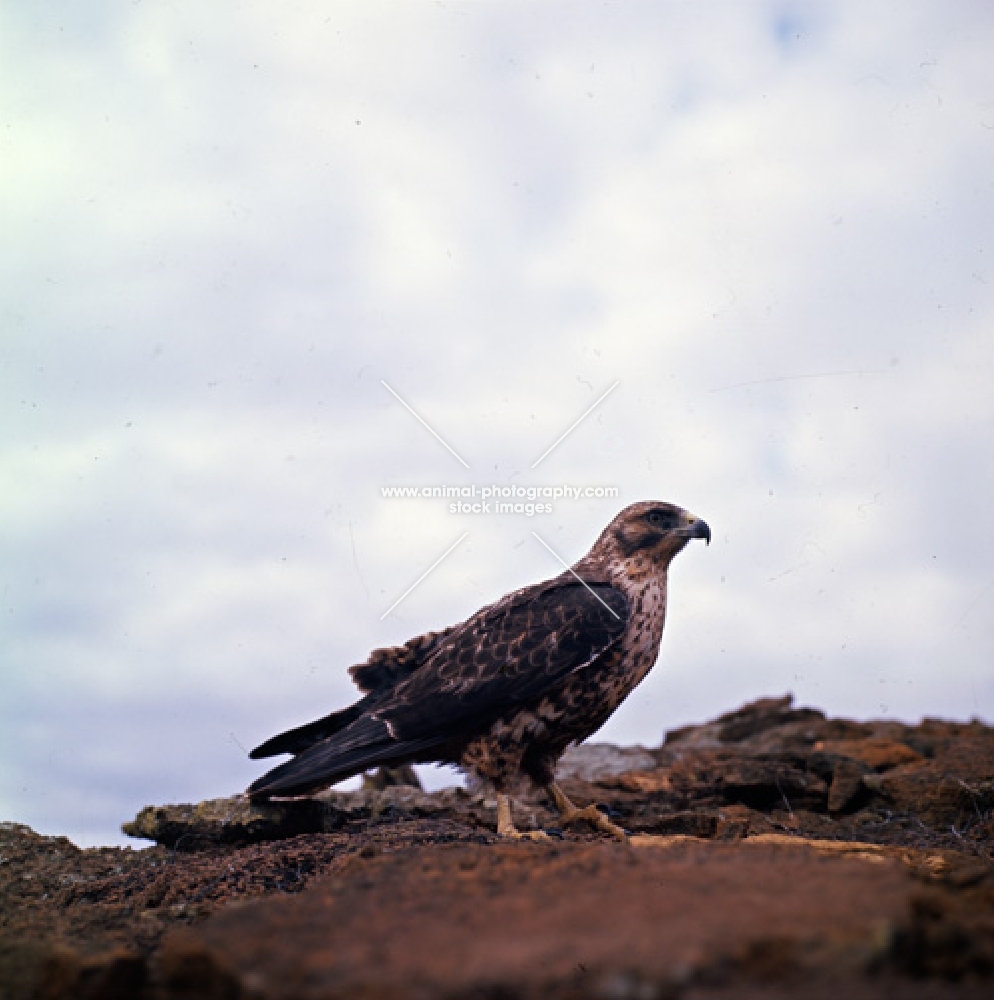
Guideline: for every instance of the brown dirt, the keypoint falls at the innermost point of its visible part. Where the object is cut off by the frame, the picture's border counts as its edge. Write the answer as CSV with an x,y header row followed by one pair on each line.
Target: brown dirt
x,y
775,853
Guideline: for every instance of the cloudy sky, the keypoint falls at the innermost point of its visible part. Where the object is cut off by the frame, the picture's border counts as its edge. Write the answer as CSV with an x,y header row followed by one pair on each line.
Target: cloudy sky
x,y
225,226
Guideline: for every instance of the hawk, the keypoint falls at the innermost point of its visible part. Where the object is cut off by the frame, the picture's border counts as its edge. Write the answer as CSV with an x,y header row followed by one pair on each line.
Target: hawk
x,y
504,693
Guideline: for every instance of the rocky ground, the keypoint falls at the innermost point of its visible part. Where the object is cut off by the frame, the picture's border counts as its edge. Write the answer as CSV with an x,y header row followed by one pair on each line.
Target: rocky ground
x,y
774,853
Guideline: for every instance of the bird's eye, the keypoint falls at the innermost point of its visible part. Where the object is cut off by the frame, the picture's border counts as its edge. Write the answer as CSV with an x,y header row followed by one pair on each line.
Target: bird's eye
x,y
658,518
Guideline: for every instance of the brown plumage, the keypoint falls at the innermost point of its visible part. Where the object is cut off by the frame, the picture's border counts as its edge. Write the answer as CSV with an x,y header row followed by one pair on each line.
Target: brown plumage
x,y
507,691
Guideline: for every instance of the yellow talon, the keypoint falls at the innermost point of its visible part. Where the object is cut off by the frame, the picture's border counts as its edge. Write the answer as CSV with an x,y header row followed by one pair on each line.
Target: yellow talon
x,y
569,813
506,827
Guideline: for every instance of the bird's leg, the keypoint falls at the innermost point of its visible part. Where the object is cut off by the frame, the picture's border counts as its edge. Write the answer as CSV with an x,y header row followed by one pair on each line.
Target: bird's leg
x,y
505,824
569,813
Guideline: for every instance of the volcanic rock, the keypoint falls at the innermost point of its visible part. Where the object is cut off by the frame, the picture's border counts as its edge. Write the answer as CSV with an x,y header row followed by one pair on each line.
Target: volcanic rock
x,y
775,853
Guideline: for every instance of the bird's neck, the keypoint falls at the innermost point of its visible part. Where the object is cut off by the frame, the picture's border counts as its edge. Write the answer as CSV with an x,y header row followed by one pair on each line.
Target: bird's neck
x,y
631,575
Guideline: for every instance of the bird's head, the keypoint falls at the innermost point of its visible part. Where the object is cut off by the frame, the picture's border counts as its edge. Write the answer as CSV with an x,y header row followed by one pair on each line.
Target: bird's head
x,y
644,538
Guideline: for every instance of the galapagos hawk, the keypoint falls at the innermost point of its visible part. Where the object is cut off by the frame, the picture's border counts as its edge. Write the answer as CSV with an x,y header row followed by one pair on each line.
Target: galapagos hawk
x,y
504,693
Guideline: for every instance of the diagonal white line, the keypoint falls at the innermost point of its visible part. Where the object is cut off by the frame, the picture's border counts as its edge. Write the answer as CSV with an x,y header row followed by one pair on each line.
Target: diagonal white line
x,y
417,417
423,575
570,568
575,422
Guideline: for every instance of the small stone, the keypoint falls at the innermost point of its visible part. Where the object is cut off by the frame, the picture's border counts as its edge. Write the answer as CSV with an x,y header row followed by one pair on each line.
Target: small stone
x,y
874,782
599,762
876,753
847,784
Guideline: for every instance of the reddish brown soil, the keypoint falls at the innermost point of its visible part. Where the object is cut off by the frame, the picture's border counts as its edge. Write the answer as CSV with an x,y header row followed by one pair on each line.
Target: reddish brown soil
x,y
590,919
776,854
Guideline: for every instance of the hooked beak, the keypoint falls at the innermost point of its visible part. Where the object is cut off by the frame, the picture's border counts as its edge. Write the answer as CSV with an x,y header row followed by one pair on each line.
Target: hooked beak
x,y
698,528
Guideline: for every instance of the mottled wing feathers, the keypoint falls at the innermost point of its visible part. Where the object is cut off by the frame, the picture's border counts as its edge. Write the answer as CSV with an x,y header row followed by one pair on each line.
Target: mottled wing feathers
x,y
386,668
506,655
381,673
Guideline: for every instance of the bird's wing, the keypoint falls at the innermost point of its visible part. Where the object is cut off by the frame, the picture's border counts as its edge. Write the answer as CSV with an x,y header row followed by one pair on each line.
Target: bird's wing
x,y
382,671
506,655
298,739
385,668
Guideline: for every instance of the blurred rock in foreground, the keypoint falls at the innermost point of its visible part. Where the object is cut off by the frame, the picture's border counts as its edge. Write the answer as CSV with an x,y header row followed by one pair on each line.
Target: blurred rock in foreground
x,y
775,853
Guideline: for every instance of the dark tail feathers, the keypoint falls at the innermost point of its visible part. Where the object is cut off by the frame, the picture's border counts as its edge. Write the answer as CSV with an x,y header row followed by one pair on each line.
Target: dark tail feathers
x,y
304,737
365,744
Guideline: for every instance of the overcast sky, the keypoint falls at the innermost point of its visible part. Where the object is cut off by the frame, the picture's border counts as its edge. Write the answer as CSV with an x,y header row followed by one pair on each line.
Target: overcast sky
x,y
225,226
